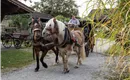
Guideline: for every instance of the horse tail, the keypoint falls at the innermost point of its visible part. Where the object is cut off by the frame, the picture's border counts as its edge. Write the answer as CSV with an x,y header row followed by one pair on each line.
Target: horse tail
x,y
33,53
82,51
82,48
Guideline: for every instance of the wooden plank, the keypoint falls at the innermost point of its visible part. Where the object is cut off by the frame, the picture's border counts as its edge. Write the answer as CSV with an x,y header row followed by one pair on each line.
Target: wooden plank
x,y
1,18
21,5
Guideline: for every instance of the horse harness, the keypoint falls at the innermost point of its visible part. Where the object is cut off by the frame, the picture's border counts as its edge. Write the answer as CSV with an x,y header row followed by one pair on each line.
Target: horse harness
x,y
69,38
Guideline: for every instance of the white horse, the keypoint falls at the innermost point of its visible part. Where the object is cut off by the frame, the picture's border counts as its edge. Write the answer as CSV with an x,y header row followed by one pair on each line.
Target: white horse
x,y
67,41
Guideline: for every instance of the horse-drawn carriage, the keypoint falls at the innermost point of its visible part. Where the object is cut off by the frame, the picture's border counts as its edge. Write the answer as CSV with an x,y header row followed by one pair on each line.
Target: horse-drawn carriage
x,y
86,28
57,35
9,37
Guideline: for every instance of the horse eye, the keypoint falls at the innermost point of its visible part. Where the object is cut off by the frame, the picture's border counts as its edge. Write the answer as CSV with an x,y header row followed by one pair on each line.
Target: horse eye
x,y
50,25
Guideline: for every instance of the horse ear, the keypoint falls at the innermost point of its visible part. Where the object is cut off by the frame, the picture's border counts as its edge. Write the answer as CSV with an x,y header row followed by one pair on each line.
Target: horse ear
x,y
54,19
39,19
32,19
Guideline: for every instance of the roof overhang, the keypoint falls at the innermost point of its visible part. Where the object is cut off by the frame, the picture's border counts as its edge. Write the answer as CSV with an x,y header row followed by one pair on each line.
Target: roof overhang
x,y
44,17
10,7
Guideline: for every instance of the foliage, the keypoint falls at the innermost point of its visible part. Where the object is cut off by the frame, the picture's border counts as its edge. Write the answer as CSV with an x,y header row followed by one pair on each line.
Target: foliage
x,y
15,58
21,21
118,25
57,7
124,7
62,18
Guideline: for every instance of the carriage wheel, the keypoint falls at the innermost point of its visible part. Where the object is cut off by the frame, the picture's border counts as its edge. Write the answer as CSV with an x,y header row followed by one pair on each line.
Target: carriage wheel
x,y
87,49
28,43
7,41
92,43
17,43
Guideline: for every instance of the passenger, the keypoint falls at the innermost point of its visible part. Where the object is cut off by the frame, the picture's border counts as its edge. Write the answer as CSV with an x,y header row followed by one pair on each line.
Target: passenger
x,y
74,21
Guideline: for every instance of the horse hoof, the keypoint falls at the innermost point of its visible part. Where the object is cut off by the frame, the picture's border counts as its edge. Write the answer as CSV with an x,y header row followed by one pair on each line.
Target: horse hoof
x,y
45,65
36,69
57,62
76,67
54,64
66,71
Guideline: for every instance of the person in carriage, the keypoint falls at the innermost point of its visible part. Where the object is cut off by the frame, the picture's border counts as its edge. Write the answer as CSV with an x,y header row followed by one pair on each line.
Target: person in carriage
x,y
74,22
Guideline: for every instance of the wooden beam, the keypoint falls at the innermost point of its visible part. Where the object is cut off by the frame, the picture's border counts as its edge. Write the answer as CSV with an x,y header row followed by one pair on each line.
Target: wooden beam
x,y
5,2
1,18
21,5
9,10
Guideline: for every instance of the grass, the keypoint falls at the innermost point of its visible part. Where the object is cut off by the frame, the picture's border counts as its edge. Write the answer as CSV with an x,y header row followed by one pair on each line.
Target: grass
x,y
114,49
15,59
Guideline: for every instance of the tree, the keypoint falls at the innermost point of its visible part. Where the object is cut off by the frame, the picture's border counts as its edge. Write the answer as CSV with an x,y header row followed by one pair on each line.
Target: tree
x,y
62,18
57,7
20,21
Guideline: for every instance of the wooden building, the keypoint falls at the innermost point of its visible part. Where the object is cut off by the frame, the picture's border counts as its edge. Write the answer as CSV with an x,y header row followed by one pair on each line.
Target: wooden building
x,y
10,7
44,17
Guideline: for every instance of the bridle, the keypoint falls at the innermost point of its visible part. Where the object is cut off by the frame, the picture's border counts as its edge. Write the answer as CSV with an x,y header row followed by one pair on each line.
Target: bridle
x,y
35,26
56,29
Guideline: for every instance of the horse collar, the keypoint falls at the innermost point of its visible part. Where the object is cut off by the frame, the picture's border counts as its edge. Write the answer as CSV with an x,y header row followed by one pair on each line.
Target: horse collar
x,y
67,39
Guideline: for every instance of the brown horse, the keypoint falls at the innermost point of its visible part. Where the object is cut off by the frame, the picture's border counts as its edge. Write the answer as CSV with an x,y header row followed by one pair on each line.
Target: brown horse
x,y
67,41
40,44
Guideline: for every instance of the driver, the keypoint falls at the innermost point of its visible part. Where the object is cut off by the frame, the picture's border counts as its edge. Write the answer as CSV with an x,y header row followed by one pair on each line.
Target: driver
x,y
74,21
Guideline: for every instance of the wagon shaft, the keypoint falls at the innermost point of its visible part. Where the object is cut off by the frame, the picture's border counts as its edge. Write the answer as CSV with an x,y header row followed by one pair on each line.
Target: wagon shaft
x,y
44,45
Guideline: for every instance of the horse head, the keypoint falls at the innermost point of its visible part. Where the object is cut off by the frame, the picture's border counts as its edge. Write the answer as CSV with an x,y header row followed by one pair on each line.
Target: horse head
x,y
51,30
36,28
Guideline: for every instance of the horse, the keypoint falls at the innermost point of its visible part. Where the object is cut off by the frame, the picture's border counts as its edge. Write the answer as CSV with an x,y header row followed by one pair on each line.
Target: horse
x,y
40,44
66,40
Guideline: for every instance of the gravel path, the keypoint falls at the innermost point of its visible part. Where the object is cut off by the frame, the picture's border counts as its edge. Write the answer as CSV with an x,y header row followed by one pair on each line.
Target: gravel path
x,y
87,71
90,69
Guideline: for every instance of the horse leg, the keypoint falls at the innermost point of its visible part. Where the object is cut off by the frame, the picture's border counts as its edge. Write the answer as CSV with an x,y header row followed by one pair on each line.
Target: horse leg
x,y
92,48
41,59
37,60
33,53
79,58
65,63
56,53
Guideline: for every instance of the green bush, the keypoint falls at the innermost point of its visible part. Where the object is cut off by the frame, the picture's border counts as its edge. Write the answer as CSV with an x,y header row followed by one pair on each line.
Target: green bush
x,y
62,18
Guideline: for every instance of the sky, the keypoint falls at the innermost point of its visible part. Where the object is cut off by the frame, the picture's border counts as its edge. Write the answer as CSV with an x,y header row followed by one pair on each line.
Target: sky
x,y
85,5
